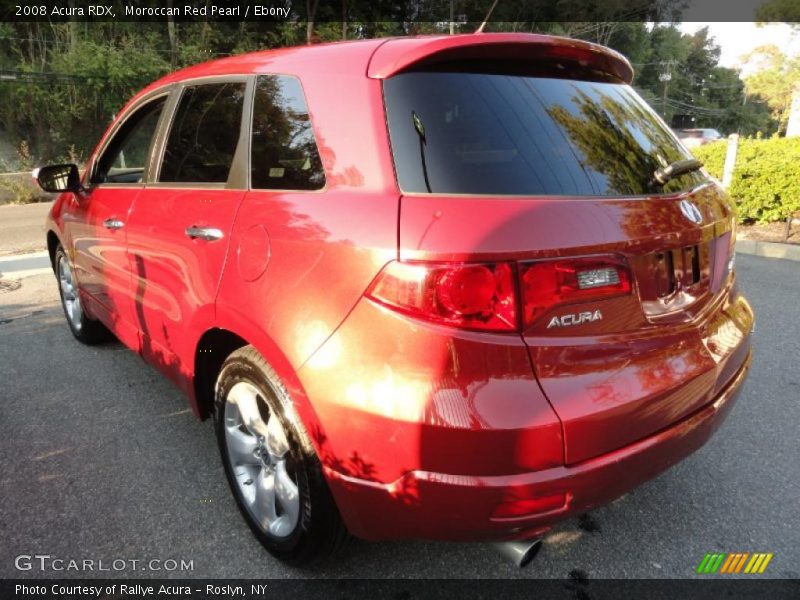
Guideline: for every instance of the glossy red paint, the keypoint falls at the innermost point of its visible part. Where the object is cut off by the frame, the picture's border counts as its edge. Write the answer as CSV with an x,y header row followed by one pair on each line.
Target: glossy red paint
x,y
401,54
425,430
175,279
426,504
100,256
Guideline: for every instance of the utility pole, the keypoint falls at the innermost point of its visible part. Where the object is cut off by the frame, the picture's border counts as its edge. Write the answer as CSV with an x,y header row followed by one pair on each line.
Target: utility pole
x,y
793,124
452,23
665,77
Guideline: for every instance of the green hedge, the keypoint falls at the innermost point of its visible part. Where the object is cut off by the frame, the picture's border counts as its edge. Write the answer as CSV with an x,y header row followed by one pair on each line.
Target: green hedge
x,y
766,178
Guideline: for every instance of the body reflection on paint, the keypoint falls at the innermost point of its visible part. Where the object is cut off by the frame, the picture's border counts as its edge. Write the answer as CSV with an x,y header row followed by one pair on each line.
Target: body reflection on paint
x,y
369,242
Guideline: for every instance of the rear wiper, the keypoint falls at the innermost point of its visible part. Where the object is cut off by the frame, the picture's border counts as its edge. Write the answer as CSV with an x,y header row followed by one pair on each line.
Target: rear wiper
x,y
423,141
676,169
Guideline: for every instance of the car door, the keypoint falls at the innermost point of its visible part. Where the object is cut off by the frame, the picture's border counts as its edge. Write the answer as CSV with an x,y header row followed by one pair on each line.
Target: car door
x,y
180,223
97,225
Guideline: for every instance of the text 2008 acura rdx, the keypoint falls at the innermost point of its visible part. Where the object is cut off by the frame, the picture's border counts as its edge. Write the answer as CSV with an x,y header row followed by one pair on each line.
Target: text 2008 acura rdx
x,y
449,287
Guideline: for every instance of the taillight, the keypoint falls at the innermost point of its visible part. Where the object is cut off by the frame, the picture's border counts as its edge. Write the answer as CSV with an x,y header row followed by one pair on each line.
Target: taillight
x,y
466,295
550,283
482,296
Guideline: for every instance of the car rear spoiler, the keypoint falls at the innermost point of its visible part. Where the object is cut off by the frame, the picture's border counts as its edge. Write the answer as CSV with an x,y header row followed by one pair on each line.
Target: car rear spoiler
x,y
401,54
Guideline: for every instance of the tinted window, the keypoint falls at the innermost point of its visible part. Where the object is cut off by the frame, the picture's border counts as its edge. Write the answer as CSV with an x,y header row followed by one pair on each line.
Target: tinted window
x,y
204,134
512,134
126,155
284,152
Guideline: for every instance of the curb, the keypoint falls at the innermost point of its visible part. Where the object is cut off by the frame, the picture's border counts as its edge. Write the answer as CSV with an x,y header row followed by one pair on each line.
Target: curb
x,y
768,249
25,265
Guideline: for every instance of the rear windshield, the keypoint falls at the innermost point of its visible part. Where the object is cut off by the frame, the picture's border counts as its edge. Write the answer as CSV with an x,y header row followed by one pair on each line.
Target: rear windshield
x,y
474,133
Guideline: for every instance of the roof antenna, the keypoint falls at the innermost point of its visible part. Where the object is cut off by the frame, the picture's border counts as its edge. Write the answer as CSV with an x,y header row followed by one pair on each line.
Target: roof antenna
x,y
486,20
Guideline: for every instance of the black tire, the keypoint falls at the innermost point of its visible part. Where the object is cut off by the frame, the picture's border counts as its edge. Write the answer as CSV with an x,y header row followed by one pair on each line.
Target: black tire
x,y
319,531
86,330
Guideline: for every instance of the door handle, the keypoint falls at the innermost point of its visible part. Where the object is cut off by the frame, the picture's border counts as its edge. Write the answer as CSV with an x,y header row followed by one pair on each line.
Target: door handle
x,y
209,234
113,224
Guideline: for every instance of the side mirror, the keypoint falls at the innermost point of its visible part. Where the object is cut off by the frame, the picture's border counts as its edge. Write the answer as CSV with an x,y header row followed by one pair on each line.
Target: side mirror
x,y
58,178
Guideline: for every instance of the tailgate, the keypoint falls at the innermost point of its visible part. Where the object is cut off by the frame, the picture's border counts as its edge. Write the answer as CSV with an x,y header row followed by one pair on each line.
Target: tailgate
x,y
653,357
620,244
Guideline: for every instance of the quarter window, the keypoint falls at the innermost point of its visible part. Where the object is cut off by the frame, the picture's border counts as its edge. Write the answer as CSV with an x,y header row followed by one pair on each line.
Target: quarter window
x,y
284,151
204,134
125,157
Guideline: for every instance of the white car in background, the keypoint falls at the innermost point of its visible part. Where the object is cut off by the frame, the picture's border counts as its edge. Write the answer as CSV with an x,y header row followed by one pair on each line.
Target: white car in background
x,y
692,138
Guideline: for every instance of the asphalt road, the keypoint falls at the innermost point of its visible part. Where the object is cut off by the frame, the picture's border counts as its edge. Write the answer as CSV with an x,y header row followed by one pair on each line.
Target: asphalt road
x,y
100,459
22,227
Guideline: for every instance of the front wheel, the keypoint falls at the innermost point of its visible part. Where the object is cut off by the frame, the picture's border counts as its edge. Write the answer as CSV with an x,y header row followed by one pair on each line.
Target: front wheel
x,y
86,330
270,464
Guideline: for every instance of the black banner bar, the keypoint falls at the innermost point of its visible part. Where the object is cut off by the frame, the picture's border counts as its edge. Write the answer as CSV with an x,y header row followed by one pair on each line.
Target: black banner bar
x,y
399,589
405,11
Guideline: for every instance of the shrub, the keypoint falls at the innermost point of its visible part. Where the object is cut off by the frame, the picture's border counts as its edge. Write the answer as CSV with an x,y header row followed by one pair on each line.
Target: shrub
x,y
766,177
17,187
713,156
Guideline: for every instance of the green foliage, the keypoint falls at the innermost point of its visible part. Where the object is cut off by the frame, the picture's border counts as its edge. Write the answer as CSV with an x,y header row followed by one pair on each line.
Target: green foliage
x,y
766,177
780,10
18,188
69,86
69,79
775,80
699,93
713,157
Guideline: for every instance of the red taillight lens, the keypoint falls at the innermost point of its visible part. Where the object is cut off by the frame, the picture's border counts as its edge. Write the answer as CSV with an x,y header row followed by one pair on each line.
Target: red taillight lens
x,y
550,283
470,296
483,296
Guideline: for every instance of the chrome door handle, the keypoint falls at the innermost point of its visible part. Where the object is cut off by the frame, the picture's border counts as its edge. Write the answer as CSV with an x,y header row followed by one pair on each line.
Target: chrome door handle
x,y
113,224
209,234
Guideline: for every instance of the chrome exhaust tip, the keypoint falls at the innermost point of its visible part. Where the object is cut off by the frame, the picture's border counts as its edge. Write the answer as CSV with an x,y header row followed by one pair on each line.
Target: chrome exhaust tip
x,y
520,553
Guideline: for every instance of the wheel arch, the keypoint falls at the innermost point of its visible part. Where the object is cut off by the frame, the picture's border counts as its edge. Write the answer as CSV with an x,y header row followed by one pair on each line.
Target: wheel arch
x,y
217,343
53,242
213,347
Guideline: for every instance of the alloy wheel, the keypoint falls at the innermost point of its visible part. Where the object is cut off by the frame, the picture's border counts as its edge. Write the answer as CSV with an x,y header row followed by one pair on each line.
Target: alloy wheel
x,y
258,451
69,294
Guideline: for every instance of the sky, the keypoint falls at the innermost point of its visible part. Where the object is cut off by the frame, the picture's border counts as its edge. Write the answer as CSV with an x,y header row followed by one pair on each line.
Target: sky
x,y
737,39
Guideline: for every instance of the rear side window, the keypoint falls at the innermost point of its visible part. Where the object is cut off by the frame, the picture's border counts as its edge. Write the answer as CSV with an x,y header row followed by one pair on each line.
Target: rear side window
x,y
204,134
284,151
478,133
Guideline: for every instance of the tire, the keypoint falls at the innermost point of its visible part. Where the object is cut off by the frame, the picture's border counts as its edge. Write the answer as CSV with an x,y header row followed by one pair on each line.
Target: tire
x,y
264,447
86,330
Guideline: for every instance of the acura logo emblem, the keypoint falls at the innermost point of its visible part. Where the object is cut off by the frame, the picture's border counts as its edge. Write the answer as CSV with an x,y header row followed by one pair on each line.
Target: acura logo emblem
x,y
691,212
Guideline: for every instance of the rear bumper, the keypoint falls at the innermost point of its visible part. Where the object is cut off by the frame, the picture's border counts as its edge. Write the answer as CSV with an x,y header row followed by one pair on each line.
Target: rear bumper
x,y
423,504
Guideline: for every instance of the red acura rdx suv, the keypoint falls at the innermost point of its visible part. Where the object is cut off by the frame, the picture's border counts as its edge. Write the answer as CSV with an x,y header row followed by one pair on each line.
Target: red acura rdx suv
x,y
454,287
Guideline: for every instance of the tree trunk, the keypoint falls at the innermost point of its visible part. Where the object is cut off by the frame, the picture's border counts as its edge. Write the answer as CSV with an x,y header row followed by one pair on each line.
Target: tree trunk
x,y
72,27
311,9
173,39
173,42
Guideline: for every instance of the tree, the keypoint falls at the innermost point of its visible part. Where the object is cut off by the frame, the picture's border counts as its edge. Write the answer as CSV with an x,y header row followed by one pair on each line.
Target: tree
x,y
774,78
311,13
678,74
62,83
787,11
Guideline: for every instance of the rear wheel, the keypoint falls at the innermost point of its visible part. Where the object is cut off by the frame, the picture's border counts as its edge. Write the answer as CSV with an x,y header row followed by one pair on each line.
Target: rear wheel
x,y
86,330
270,464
